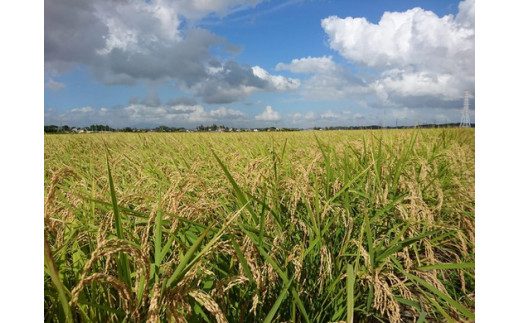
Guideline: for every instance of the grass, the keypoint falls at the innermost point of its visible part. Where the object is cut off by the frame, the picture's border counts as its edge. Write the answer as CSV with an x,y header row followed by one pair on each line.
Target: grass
x,y
353,226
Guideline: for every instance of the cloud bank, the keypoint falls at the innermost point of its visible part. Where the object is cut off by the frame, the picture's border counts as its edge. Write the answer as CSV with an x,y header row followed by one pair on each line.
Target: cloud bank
x,y
127,41
140,115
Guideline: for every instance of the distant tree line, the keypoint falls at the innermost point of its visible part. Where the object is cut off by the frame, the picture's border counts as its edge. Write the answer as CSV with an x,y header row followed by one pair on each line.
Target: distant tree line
x,y
214,128
68,129
427,125
106,128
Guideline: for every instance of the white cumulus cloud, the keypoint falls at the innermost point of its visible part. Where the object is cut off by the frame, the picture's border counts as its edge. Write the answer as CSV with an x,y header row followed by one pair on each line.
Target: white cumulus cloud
x,y
268,115
309,65
276,82
224,112
329,80
420,59
415,37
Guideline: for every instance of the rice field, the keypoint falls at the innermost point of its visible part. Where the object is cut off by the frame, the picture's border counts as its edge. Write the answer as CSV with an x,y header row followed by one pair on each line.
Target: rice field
x,y
335,226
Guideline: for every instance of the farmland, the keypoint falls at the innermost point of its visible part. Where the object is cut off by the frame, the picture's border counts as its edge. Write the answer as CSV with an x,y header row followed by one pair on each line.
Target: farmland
x,y
353,226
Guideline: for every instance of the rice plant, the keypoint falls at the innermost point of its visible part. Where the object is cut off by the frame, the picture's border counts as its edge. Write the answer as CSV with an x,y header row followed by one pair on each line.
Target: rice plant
x,y
344,226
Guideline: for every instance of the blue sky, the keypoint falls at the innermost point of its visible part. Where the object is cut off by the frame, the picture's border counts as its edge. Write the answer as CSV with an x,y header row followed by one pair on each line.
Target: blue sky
x,y
257,63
